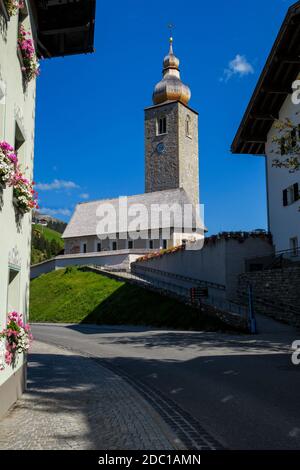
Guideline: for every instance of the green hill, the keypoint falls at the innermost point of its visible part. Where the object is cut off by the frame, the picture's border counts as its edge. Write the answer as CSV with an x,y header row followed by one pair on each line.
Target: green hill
x,y
73,296
46,243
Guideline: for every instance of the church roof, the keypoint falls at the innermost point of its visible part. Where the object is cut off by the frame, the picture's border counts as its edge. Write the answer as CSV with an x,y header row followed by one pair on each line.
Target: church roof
x,y
85,219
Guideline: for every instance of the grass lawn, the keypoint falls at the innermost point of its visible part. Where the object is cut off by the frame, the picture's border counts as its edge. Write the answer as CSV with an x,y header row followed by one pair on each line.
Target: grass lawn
x,y
49,234
73,296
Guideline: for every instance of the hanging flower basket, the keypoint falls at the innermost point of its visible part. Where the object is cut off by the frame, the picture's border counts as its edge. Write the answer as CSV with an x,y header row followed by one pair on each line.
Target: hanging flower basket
x,y
16,338
30,64
8,162
13,6
24,196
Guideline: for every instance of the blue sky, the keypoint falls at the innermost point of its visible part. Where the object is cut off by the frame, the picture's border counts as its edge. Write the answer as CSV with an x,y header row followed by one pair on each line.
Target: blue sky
x,y
90,118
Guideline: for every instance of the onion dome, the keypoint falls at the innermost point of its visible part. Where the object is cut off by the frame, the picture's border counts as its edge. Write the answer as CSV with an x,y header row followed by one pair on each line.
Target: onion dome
x,y
171,88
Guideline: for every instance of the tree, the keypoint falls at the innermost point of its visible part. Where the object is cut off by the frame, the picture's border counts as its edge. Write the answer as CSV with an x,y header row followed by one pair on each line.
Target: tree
x,y
287,145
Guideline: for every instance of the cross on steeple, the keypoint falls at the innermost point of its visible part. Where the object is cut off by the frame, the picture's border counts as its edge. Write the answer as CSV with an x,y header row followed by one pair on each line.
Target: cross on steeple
x,y
171,27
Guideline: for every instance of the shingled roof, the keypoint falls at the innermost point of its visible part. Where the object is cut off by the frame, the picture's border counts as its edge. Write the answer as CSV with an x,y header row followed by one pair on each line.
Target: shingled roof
x,y
274,85
84,220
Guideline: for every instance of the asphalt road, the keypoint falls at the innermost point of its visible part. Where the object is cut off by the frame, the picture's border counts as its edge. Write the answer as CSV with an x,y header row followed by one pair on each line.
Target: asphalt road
x,y
243,390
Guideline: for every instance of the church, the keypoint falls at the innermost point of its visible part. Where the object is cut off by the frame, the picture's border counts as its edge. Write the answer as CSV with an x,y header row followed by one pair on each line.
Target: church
x,y
171,178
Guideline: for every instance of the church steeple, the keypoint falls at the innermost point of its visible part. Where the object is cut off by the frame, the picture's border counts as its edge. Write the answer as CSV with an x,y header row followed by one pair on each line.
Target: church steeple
x,y
171,135
171,88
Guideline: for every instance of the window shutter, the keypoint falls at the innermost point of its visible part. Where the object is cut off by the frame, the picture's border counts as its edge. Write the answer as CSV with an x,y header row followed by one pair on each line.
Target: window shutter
x,y
296,192
285,197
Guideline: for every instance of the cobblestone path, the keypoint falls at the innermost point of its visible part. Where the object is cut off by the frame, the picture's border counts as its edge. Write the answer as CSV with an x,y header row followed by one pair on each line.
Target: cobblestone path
x,y
72,402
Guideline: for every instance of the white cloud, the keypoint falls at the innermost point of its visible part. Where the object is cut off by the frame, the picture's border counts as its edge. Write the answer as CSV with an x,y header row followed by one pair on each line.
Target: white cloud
x,y
238,66
56,184
84,196
54,212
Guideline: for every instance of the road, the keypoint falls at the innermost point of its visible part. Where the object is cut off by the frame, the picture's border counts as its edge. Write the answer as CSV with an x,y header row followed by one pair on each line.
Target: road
x,y
242,391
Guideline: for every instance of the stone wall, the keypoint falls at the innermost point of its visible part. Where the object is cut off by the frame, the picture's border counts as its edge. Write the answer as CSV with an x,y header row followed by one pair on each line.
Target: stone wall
x,y
178,165
161,169
276,292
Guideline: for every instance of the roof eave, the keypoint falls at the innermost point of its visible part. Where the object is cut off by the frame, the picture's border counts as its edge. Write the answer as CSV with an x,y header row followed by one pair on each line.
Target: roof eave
x,y
256,145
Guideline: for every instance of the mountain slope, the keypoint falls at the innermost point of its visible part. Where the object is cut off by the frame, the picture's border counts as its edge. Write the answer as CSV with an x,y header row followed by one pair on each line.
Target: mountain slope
x,y
45,244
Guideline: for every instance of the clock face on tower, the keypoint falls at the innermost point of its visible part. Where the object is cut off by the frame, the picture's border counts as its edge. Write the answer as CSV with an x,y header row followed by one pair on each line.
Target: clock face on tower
x,y
160,148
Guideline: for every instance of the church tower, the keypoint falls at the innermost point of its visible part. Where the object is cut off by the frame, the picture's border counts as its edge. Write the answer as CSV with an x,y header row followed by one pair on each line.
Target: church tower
x,y
171,135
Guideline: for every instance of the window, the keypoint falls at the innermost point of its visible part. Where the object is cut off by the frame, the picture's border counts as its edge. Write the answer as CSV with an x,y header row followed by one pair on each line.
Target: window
x,y
84,248
20,145
290,195
114,246
164,244
188,126
98,246
151,244
294,246
13,293
130,244
162,126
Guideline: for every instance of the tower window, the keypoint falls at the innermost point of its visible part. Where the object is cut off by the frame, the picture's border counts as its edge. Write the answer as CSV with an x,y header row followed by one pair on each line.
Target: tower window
x,y
188,126
162,126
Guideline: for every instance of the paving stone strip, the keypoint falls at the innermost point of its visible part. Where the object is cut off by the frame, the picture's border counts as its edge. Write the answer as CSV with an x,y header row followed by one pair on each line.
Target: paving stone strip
x,y
73,402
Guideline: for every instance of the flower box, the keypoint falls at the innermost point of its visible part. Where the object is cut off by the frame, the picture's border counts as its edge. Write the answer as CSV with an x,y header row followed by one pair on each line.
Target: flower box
x,y
24,196
15,339
27,56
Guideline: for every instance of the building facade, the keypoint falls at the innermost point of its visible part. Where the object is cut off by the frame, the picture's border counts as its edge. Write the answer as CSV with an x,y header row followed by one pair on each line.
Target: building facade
x,y
274,102
17,126
171,177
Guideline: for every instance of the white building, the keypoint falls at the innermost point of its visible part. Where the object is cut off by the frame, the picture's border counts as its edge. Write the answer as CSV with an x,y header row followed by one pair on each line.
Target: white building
x,y
272,100
57,29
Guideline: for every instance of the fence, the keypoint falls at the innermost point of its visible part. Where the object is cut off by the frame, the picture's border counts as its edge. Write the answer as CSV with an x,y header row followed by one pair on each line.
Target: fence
x,y
180,286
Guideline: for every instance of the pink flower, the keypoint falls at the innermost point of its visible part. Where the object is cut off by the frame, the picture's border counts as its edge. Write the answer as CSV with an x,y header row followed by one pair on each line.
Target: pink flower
x,y
6,146
8,358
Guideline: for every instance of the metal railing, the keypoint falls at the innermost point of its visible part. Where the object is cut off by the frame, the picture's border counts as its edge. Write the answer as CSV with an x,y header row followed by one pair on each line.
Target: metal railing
x,y
137,268
166,285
